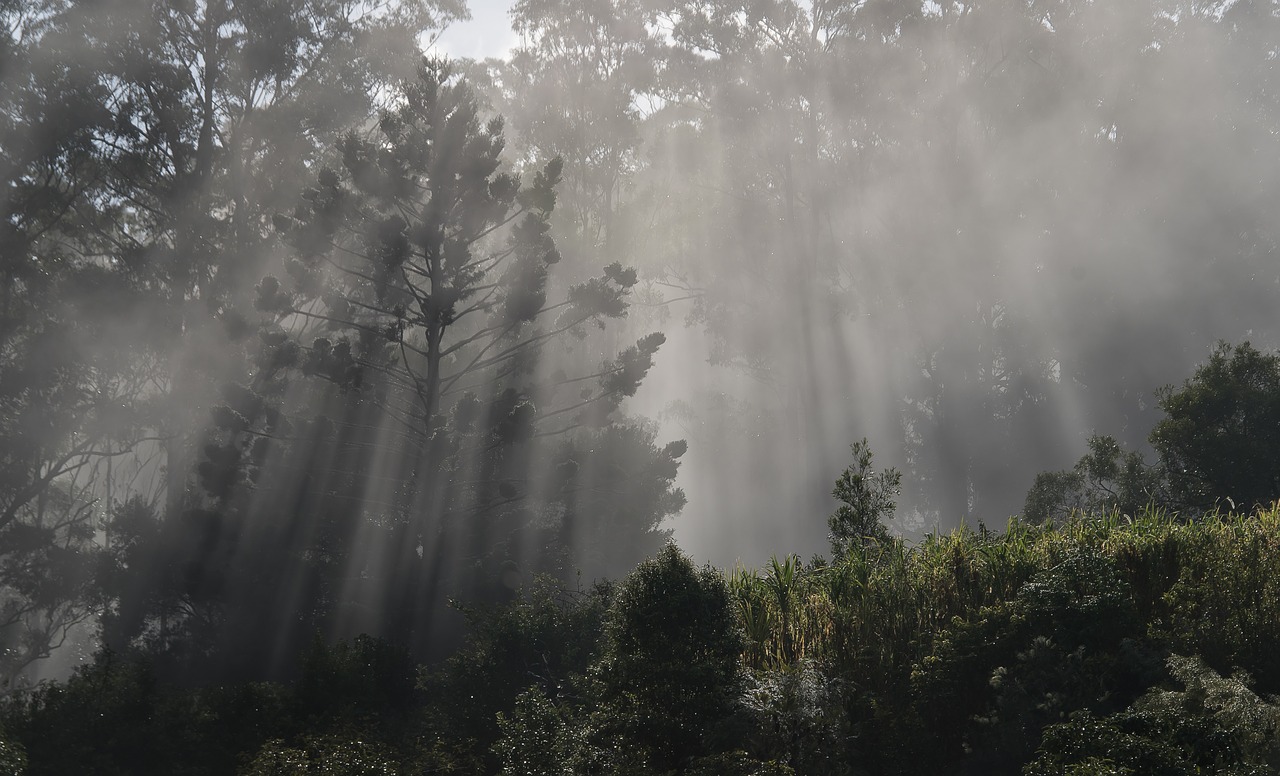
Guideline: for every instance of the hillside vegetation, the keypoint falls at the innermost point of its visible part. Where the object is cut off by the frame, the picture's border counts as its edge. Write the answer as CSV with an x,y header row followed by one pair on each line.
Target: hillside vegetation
x,y
1105,644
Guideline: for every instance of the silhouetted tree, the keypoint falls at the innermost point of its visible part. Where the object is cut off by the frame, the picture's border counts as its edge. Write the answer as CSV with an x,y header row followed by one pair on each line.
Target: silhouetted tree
x,y
869,499
224,109
434,455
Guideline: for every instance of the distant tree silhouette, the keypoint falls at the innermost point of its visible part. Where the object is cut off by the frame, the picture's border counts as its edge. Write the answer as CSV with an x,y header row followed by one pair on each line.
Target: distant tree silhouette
x,y
868,498
1107,479
570,90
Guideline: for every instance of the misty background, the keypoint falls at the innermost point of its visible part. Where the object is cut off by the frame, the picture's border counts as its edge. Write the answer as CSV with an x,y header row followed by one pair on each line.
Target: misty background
x,y
288,309
975,234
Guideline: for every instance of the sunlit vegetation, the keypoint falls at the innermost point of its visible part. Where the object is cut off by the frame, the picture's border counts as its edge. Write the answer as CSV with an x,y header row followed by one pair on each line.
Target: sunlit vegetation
x,y
1107,644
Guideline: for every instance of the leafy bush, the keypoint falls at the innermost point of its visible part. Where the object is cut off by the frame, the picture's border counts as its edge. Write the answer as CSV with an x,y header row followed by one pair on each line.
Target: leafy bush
x,y
331,755
547,637
671,661
540,738
1214,724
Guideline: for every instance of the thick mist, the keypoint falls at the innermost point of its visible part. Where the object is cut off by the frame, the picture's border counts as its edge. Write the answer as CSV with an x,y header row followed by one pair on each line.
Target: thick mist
x,y
973,233
304,334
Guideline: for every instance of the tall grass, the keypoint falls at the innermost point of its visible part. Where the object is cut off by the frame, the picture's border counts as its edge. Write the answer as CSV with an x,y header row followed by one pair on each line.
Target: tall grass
x,y
1209,586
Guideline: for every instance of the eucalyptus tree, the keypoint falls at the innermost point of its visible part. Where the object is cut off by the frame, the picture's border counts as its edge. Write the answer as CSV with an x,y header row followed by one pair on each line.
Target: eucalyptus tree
x,y
937,191
577,88
755,82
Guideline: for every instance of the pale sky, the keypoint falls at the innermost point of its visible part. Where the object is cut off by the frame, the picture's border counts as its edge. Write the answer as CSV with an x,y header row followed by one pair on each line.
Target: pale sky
x,y
488,34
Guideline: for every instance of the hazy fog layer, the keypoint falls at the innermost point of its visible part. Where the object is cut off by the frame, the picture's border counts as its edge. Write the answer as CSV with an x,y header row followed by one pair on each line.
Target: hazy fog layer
x,y
973,233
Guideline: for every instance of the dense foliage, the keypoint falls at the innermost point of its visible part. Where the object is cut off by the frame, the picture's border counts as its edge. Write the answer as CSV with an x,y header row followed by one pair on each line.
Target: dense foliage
x,y
1215,448
1108,644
